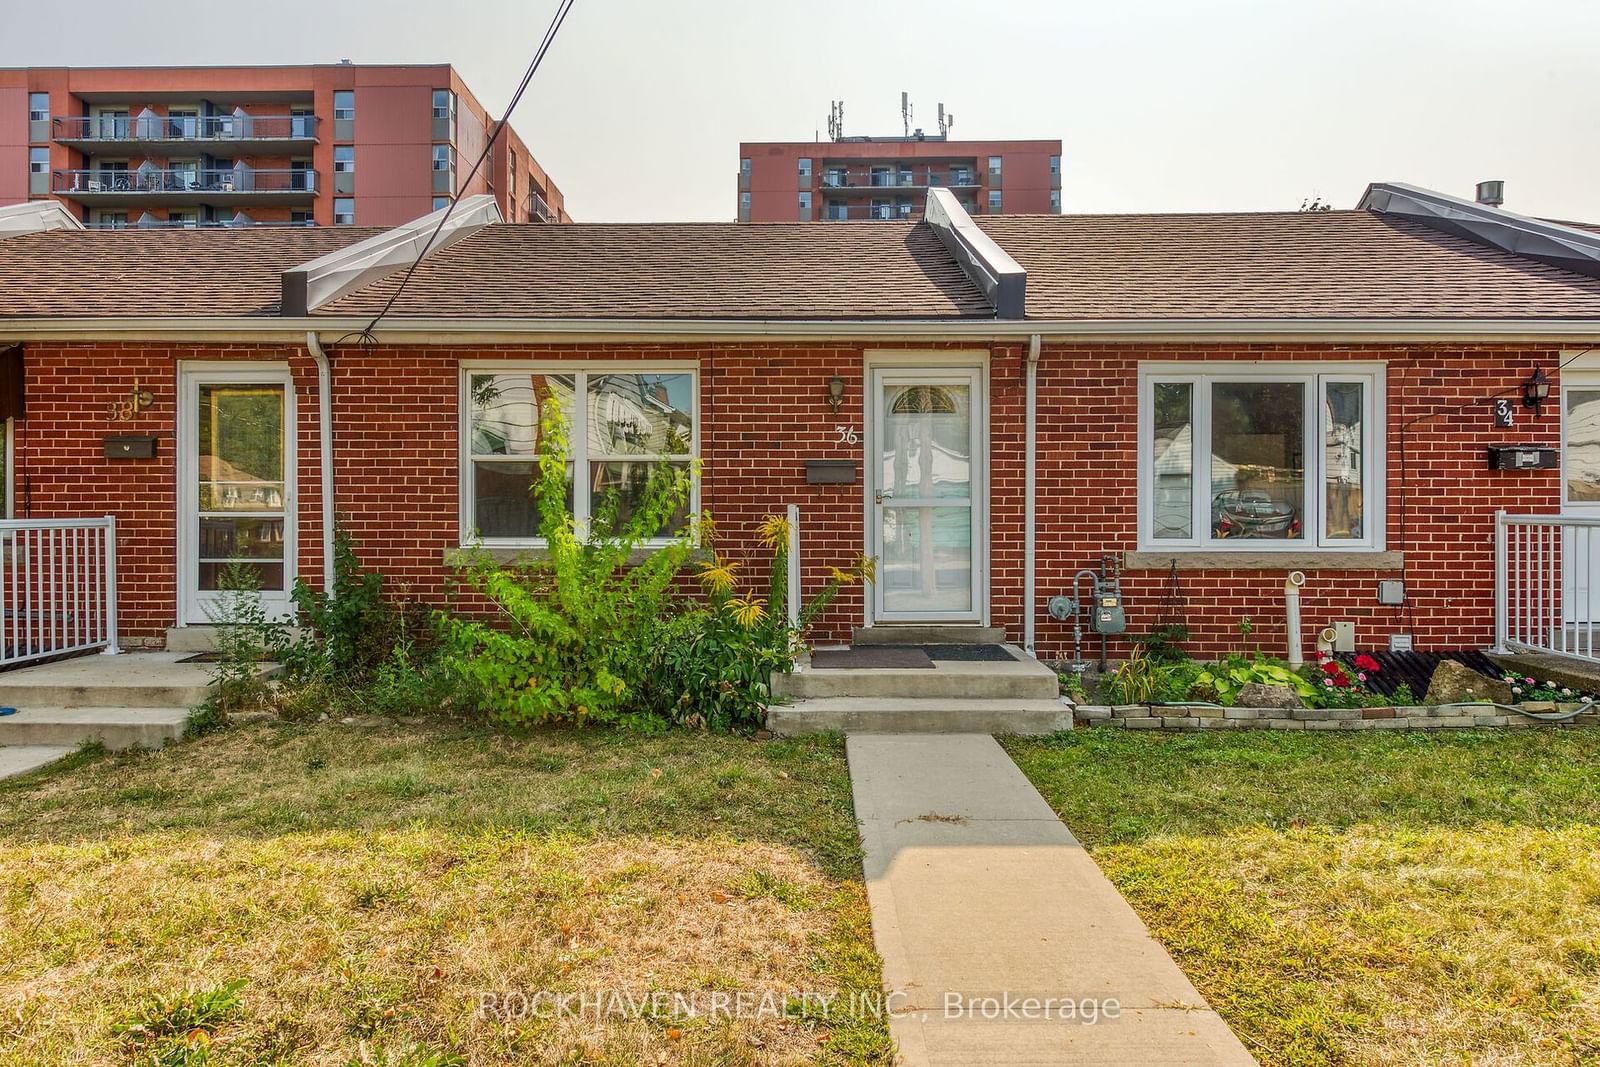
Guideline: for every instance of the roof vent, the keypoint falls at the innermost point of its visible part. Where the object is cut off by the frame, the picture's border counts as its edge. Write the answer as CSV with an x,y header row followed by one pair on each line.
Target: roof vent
x,y
325,279
1001,279
1492,193
1559,245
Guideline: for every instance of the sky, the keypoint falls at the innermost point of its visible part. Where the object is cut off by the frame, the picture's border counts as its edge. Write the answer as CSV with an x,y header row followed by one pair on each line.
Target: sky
x,y
1161,105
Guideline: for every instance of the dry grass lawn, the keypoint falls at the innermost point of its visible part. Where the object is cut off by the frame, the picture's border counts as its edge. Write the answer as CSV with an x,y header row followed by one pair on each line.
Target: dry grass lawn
x,y
369,883
1372,899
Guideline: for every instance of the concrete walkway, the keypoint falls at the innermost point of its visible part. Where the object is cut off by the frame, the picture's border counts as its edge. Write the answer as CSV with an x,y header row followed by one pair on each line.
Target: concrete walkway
x,y
978,892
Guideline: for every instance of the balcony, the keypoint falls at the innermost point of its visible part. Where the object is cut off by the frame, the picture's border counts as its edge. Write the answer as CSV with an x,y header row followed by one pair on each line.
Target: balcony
x,y
842,211
865,181
150,133
538,210
166,224
149,185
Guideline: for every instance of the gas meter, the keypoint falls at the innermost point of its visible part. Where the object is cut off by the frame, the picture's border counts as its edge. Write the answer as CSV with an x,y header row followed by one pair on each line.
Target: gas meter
x,y
1103,605
1106,616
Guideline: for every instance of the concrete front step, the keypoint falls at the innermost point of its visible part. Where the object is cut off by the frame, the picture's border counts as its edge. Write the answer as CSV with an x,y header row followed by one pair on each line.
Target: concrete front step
x,y
1020,678
113,727
928,634
20,759
919,716
132,680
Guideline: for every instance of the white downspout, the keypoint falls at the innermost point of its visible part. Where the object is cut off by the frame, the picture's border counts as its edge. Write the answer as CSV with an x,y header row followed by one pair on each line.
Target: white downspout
x,y
1030,463
325,453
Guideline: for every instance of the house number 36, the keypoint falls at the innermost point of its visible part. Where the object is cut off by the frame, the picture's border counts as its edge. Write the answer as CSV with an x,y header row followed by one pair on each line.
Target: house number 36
x,y
847,435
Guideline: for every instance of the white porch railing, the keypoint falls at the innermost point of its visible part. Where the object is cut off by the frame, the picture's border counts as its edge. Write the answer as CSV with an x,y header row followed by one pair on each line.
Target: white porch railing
x,y
58,587
1547,584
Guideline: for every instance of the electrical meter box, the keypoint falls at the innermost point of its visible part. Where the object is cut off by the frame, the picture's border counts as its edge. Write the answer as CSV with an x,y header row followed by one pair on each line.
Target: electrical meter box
x,y
1106,617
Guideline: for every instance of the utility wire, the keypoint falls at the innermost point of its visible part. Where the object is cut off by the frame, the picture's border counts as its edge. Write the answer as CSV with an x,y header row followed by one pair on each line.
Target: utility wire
x,y
366,336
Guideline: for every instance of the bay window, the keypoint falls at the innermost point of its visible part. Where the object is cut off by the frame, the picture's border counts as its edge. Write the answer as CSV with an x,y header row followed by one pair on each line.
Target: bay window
x,y
1260,458
621,423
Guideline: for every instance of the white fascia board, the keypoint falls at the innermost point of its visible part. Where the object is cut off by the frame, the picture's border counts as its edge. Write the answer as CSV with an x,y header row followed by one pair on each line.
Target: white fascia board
x,y
464,331
321,281
36,216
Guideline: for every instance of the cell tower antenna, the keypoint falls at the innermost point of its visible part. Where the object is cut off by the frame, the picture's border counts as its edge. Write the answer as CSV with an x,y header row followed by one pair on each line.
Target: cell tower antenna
x,y
905,112
835,120
944,122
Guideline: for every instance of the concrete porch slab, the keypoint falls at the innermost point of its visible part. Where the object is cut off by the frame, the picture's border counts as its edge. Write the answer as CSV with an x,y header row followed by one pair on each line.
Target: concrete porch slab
x,y
977,890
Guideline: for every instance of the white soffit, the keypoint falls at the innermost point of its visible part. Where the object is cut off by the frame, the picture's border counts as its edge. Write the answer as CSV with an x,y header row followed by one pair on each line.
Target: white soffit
x,y
36,216
323,280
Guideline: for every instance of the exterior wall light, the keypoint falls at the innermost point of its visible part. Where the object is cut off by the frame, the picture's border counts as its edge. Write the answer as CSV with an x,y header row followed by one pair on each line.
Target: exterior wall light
x,y
835,393
1536,390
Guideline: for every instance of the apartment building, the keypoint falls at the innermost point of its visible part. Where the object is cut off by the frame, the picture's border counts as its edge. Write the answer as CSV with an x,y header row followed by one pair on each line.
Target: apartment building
x,y
888,177
322,145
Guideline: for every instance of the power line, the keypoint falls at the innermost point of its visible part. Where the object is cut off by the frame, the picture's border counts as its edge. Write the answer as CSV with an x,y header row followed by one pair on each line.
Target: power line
x,y
366,336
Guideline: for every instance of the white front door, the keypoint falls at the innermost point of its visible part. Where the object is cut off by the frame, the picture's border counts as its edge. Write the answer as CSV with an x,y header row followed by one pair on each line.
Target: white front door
x,y
927,470
236,488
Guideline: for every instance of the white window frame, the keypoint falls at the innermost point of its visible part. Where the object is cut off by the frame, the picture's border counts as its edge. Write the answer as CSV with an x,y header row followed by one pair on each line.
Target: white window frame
x,y
1585,380
346,114
578,438
1314,377
344,166
349,217
34,114
445,161
38,160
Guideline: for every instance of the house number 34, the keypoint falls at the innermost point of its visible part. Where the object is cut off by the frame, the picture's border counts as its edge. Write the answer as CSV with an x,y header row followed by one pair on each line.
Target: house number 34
x,y
847,435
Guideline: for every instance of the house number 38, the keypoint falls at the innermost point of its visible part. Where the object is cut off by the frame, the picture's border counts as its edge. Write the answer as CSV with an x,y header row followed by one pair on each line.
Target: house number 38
x,y
847,435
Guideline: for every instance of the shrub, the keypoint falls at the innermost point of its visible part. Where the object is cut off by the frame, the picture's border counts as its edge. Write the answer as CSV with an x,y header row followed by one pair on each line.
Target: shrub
x,y
1140,680
355,630
712,665
1164,643
575,632
1226,678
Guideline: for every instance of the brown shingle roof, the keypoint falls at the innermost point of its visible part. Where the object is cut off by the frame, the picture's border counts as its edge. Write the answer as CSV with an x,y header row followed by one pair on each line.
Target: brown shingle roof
x,y
840,270
1336,265
1285,265
158,272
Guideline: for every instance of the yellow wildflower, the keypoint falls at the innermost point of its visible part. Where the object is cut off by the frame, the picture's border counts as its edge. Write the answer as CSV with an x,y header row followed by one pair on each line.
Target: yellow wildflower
x,y
774,531
747,611
717,574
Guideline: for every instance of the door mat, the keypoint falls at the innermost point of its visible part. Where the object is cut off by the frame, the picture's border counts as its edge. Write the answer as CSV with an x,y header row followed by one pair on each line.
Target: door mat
x,y
969,653
872,657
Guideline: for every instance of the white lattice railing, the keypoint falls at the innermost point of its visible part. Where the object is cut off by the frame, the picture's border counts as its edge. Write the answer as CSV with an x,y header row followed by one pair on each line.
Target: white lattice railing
x,y
58,587
1547,584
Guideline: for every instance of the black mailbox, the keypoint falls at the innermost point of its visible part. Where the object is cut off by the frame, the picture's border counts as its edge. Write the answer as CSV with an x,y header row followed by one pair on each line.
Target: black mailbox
x,y
831,471
1521,458
118,447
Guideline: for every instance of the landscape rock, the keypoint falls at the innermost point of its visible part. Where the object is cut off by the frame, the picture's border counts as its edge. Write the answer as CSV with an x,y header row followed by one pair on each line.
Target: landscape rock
x,y
1456,682
1260,695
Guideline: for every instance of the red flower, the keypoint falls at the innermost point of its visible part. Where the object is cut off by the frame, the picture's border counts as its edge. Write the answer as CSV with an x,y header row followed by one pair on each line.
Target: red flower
x,y
1332,667
1342,682
1366,662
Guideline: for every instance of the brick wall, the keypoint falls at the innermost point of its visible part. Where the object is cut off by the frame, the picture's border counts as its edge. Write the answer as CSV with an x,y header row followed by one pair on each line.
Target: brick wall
x,y
763,412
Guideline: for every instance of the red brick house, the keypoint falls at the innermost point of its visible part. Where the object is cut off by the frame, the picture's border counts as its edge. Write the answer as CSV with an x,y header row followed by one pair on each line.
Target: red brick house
x,y
998,402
